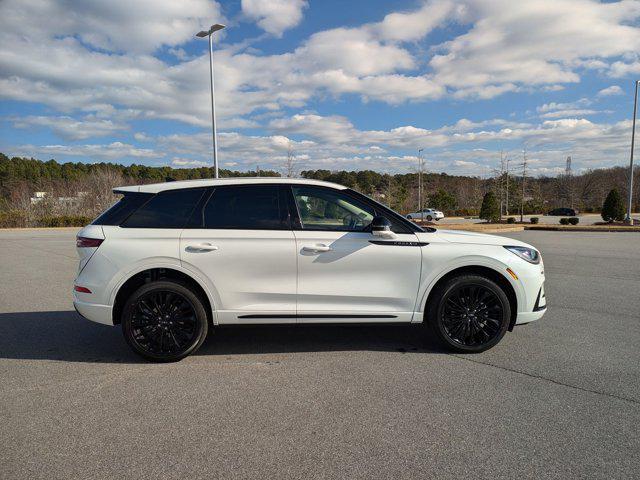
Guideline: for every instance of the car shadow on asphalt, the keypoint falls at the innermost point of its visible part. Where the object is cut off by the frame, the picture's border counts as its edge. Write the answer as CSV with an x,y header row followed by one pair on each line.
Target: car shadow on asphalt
x,y
65,336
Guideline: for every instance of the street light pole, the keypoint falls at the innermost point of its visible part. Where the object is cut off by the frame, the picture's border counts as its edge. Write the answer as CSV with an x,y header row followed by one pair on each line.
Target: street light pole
x,y
202,34
633,137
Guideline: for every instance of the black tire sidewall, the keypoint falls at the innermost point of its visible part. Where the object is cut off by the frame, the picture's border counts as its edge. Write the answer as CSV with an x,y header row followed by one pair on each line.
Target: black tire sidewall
x,y
436,306
429,218
172,286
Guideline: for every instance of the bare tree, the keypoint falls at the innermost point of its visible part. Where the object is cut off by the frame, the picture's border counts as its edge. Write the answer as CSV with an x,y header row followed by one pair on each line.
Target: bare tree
x,y
290,165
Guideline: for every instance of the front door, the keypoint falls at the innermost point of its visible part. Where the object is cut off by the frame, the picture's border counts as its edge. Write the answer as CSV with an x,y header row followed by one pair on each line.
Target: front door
x,y
344,272
242,244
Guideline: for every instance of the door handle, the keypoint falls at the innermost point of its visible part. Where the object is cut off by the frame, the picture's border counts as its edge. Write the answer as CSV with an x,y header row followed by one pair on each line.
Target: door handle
x,y
316,248
201,247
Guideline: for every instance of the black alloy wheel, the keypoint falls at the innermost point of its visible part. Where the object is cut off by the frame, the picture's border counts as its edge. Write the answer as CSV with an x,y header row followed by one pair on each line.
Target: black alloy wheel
x,y
164,321
470,314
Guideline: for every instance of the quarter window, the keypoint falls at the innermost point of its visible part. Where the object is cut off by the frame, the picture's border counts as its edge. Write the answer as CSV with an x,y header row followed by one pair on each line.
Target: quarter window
x,y
256,207
168,209
323,209
119,211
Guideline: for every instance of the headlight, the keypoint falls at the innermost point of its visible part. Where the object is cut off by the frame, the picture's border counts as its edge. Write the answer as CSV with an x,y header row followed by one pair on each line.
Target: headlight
x,y
525,253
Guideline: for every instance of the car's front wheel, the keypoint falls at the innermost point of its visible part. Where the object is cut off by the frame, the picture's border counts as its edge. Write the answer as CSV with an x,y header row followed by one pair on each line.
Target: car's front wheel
x,y
468,313
164,321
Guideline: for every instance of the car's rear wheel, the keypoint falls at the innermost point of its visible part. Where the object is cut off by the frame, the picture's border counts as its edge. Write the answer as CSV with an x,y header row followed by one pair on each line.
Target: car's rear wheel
x,y
469,313
164,321
409,217
429,218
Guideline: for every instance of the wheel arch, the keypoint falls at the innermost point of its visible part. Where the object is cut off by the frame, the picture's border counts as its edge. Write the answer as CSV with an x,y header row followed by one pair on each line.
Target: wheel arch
x,y
482,270
140,278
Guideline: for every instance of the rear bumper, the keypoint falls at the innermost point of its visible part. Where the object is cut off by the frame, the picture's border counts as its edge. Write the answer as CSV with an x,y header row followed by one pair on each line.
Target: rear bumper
x,y
94,312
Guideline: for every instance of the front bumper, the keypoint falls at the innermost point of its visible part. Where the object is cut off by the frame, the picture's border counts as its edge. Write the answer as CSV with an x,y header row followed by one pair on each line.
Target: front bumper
x,y
539,309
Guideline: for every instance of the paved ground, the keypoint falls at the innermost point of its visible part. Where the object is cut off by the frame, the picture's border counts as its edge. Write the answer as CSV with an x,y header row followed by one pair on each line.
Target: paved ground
x,y
558,399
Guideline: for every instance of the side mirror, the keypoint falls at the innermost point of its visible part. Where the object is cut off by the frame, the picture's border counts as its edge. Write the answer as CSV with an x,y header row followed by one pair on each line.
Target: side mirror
x,y
381,227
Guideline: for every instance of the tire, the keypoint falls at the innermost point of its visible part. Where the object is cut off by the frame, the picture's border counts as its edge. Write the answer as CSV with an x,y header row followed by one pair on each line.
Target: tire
x,y
409,217
429,218
468,314
164,321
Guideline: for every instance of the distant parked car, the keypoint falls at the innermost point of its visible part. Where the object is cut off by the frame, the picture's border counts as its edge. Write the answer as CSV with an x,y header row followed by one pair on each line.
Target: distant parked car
x,y
563,212
429,214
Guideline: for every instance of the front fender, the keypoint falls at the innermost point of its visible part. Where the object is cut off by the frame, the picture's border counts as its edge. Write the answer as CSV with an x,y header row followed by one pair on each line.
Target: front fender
x,y
429,281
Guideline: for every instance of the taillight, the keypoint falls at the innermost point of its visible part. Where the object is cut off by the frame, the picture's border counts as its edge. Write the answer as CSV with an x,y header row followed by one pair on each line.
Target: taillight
x,y
84,242
80,289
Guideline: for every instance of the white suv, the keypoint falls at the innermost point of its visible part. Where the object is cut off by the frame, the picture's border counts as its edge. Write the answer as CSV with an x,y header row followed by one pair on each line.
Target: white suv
x,y
170,261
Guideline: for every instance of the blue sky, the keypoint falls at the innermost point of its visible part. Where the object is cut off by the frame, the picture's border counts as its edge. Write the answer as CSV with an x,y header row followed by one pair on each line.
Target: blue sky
x,y
341,85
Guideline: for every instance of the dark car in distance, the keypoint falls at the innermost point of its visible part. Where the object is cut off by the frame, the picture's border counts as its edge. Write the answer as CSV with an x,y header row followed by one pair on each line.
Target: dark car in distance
x,y
563,212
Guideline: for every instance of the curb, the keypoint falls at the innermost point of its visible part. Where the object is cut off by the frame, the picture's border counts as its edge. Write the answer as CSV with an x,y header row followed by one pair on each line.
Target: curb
x,y
566,228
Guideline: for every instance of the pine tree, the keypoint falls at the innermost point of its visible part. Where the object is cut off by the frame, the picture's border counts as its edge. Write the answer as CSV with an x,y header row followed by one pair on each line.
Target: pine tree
x,y
490,210
613,208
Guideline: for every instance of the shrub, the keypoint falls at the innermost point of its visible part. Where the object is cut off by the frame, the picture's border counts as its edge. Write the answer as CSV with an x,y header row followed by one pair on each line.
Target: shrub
x,y
490,210
535,220
613,208
574,220
564,221
64,221
13,219
511,220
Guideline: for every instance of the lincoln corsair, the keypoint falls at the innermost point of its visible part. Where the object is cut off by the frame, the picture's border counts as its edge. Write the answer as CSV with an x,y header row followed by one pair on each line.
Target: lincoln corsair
x,y
170,261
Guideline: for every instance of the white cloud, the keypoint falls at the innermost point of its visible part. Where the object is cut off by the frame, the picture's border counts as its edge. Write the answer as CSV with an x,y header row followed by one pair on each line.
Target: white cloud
x,y
624,69
533,43
180,162
410,26
569,113
115,25
71,128
110,151
274,16
612,90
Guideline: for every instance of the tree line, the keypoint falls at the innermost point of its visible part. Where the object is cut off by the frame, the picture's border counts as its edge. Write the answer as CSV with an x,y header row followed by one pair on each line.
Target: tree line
x,y
454,194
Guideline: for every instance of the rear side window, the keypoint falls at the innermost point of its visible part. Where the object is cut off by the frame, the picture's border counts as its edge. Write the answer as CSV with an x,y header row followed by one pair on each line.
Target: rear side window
x,y
168,209
120,210
256,207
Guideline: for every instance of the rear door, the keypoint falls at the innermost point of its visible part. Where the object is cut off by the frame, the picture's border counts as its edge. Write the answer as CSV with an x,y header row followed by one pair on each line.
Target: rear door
x,y
241,242
345,274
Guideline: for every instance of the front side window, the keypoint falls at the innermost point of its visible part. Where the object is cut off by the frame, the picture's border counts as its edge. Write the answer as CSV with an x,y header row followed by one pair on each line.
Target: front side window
x,y
168,209
255,207
324,209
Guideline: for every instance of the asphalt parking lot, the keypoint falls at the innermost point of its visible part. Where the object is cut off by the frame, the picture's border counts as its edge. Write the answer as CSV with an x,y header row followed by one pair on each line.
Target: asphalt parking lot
x,y
556,399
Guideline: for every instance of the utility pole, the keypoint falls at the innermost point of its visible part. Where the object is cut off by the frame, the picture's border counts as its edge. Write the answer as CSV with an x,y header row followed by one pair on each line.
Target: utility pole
x,y
633,137
501,183
567,171
524,178
420,184
507,177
